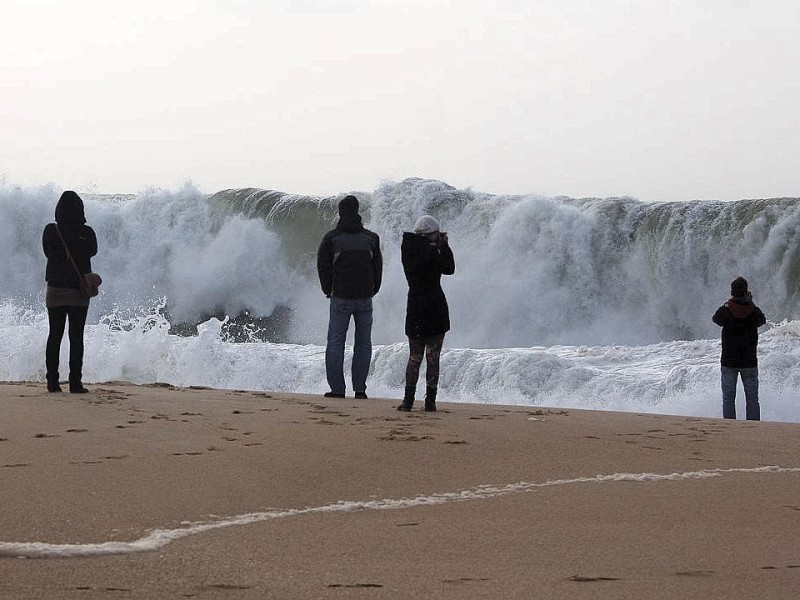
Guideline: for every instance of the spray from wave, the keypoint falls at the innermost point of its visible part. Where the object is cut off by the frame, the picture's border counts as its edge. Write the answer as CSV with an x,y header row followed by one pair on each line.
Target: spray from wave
x,y
602,303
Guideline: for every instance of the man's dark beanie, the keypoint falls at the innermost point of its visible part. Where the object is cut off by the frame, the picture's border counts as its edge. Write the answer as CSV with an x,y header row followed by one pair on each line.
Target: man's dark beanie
x,y
738,287
348,206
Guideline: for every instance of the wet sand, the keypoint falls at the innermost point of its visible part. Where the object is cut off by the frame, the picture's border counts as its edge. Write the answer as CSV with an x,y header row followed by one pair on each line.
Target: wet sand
x,y
266,495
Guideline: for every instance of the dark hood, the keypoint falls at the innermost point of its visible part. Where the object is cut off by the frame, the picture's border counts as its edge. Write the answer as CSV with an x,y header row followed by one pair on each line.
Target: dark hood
x,y
740,307
70,209
350,223
415,242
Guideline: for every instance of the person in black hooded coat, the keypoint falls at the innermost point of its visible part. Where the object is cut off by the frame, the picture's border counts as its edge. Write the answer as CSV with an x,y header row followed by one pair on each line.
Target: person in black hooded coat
x,y
64,299
426,256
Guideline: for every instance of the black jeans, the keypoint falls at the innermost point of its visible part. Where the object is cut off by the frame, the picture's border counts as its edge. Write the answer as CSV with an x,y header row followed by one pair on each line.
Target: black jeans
x,y
57,316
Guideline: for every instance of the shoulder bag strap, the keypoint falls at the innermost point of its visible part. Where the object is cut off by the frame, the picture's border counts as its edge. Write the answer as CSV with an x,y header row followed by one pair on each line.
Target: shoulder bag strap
x,y
66,249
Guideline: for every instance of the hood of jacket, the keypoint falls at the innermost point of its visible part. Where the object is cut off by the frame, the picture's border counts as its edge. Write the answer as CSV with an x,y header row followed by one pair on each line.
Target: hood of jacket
x,y
415,242
350,223
70,209
740,308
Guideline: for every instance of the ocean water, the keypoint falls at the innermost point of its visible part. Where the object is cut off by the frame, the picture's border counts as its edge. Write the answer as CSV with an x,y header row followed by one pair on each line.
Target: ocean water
x,y
599,303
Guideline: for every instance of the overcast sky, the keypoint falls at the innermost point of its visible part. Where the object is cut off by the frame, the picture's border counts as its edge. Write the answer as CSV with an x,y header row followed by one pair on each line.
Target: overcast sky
x,y
656,99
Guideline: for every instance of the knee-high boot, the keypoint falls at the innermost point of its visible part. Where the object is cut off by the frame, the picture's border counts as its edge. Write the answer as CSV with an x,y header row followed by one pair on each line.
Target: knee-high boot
x,y
408,400
430,399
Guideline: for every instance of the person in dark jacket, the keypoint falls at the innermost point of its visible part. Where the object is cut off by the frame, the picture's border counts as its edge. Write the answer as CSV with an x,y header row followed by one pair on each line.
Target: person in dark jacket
x,y
740,319
426,256
350,267
64,299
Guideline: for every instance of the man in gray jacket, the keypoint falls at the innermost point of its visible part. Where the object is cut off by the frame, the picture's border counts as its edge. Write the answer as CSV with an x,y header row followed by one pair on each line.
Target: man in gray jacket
x,y
350,266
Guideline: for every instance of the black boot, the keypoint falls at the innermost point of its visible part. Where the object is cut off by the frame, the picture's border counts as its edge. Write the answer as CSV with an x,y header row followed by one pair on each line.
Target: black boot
x,y
52,378
430,399
76,386
408,401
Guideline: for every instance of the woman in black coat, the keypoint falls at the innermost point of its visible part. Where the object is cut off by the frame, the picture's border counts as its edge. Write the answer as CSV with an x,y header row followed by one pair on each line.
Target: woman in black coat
x,y
64,298
426,257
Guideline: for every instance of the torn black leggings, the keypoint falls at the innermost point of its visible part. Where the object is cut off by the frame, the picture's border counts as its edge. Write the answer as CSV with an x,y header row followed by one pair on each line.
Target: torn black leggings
x,y
431,347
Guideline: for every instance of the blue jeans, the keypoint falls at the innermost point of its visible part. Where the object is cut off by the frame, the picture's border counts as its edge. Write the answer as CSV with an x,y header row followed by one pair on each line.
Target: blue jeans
x,y
750,384
341,311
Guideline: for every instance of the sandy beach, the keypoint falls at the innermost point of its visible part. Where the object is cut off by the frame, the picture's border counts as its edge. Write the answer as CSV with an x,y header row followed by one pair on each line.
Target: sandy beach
x,y
158,492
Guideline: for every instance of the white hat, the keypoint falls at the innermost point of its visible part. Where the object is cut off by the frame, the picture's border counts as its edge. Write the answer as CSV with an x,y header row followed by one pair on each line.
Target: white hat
x,y
426,224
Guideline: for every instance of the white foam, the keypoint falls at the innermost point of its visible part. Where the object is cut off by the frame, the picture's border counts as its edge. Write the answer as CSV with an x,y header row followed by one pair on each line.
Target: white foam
x,y
602,304
679,377
161,537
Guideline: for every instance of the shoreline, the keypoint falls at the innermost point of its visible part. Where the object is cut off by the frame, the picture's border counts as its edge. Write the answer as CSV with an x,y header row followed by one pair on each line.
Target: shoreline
x,y
298,496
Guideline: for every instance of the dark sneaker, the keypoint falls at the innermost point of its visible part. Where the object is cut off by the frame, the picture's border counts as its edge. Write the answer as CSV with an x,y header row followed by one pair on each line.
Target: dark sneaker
x,y
361,395
430,407
333,395
53,387
404,407
78,389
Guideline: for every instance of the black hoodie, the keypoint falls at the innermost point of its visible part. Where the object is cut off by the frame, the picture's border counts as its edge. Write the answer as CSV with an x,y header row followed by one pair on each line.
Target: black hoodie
x,y
740,320
80,239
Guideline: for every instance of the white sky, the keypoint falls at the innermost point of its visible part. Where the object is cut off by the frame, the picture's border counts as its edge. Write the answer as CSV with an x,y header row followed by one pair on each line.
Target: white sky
x,y
658,99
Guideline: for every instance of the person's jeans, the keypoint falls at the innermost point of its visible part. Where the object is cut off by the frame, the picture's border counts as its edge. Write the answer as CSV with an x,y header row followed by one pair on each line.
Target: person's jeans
x,y
341,311
750,384
57,317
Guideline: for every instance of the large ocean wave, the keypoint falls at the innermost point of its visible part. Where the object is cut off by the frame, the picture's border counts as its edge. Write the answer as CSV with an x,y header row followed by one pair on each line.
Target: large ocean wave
x,y
601,303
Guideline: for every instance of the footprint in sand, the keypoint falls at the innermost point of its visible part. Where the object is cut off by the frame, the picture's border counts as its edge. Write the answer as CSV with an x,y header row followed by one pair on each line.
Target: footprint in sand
x,y
584,579
86,588
45,435
15,465
224,586
398,435
544,412
322,421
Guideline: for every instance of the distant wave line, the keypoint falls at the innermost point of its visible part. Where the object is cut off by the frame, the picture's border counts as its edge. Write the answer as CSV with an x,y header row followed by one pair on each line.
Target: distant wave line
x,y
159,538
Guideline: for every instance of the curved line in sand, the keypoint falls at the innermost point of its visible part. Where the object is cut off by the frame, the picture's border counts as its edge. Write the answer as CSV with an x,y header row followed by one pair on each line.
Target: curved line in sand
x,y
159,538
